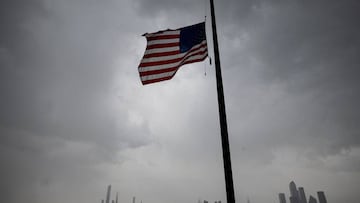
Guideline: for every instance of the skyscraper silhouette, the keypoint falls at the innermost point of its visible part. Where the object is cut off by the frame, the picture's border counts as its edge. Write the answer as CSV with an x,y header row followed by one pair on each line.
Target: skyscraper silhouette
x,y
108,194
312,199
282,198
294,198
321,197
302,196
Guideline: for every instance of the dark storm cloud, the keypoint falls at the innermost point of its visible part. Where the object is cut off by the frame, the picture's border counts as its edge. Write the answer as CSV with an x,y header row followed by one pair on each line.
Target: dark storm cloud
x,y
55,71
17,54
56,115
154,8
311,50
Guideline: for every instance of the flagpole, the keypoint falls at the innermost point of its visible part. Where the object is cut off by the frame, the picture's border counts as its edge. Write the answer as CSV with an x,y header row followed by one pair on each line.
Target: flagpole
x,y
222,114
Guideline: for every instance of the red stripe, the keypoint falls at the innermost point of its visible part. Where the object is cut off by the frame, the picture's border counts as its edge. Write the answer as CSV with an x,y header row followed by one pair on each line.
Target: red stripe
x,y
157,80
154,72
169,53
163,37
195,60
157,63
154,46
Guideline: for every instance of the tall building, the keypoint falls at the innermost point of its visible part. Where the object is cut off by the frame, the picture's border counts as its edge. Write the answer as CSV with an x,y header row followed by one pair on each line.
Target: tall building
x,y
312,199
294,193
293,200
282,198
302,196
116,200
108,194
321,197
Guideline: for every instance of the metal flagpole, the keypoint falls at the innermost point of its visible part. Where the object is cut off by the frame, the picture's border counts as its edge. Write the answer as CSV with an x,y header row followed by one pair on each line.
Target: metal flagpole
x,y
222,114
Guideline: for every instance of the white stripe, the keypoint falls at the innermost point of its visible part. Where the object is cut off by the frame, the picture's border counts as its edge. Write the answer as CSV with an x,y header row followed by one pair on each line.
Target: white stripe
x,y
170,32
175,56
157,76
163,41
170,65
159,50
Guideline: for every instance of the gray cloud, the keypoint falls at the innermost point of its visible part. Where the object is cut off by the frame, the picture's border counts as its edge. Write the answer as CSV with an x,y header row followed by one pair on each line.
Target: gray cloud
x,y
74,117
312,55
57,118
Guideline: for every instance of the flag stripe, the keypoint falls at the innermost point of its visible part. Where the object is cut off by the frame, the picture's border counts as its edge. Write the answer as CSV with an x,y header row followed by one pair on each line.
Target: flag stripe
x,y
163,41
145,82
153,72
161,50
161,33
167,36
169,53
154,46
160,75
195,60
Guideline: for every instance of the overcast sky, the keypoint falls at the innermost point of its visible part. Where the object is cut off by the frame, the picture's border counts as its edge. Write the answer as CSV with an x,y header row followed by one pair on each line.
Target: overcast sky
x,y
74,116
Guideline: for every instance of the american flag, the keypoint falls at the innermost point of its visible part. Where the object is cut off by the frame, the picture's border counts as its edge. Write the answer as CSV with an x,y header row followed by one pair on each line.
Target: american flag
x,y
168,50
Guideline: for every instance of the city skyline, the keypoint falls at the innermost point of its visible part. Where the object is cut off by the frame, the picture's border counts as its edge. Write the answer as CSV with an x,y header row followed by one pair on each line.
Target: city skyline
x,y
297,195
108,198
